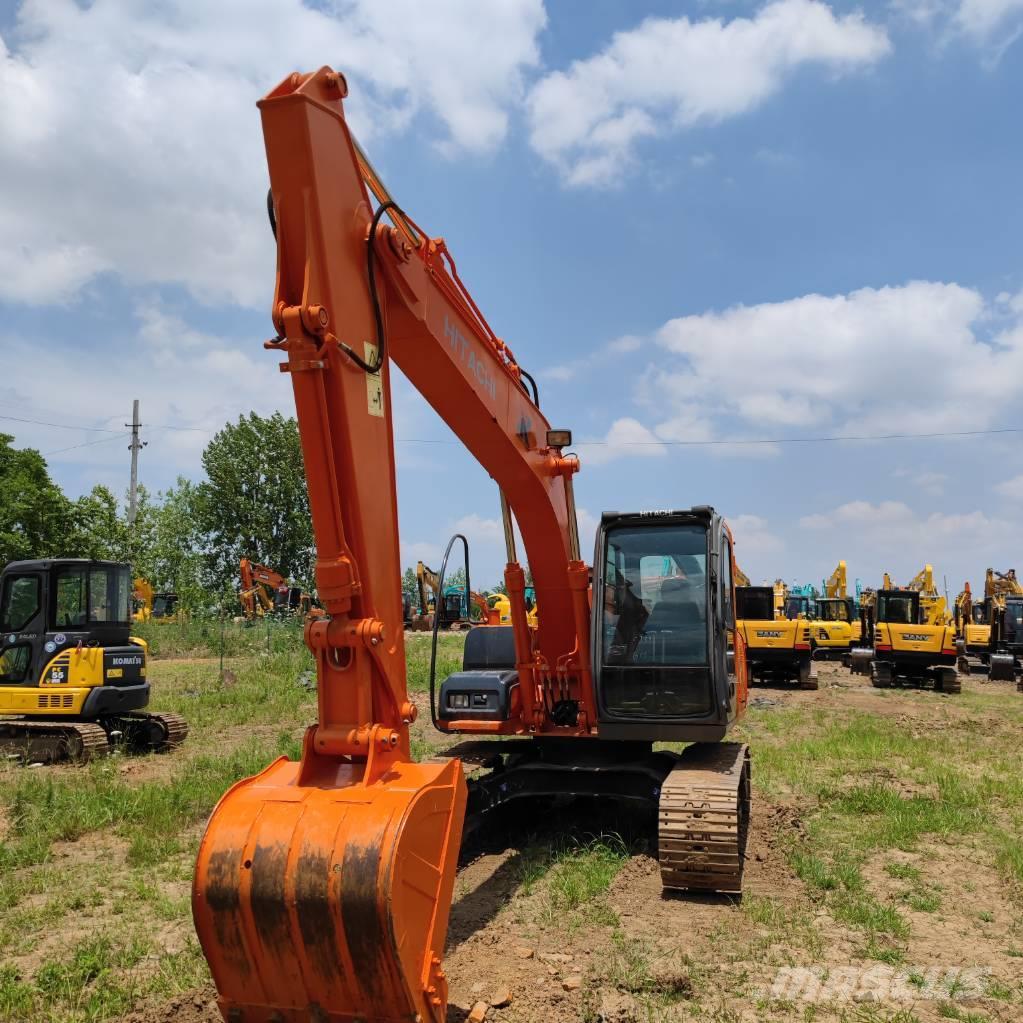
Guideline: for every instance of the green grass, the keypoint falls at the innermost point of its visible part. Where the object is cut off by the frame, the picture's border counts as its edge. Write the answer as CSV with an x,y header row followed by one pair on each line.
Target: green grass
x,y
43,809
211,637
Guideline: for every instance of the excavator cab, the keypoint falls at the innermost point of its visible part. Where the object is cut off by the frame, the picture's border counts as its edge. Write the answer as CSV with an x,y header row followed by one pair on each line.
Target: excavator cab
x,y
663,618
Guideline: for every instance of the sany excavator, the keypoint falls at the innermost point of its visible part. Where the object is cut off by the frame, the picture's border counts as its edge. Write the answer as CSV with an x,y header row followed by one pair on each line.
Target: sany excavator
x,y
265,591
322,887
837,627
777,648
913,638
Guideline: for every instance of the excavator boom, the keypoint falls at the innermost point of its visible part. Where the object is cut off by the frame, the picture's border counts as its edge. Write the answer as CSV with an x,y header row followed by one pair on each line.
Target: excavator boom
x,y
322,887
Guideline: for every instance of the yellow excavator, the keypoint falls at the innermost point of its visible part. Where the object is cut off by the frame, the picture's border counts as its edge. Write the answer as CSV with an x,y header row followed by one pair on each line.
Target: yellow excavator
x,y
72,677
778,649
933,605
913,637
973,628
837,627
1003,596
150,606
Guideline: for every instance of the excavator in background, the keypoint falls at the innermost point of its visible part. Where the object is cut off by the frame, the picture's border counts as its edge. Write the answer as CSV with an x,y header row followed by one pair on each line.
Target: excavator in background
x,y
800,602
455,610
862,654
266,592
911,642
500,609
1004,599
778,649
72,678
973,629
836,628
149,606
933,606
322,887
780,595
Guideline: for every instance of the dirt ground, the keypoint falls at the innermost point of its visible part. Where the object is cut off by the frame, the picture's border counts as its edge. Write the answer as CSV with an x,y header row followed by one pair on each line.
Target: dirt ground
x,y
640,955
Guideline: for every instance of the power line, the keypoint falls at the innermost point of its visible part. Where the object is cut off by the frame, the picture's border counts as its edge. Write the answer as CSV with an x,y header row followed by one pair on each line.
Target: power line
x,y
87,444
61,426
757,441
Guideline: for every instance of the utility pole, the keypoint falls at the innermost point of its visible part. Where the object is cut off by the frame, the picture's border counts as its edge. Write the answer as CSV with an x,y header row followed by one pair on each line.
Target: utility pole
x,y
135,446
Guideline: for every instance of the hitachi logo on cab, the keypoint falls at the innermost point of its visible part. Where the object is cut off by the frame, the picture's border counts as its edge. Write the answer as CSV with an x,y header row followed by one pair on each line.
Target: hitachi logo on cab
x,y
467,355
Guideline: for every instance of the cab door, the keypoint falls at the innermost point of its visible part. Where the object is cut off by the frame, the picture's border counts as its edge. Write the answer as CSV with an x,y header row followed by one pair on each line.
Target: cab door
x,y
22,628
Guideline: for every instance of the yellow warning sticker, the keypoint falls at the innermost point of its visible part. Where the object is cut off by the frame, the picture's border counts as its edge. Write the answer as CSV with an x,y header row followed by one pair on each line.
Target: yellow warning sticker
x,y
374,385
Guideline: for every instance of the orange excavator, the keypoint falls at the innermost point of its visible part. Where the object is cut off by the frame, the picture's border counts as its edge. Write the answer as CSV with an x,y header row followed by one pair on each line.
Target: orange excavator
x,y
265,591
322,887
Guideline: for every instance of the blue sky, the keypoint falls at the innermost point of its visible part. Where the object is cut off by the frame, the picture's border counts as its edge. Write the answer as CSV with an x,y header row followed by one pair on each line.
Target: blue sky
x,y
692,222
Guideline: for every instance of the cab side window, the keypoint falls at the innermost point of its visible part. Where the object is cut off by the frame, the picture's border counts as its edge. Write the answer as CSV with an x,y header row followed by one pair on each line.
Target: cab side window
x,y
726,585
21,597
71,611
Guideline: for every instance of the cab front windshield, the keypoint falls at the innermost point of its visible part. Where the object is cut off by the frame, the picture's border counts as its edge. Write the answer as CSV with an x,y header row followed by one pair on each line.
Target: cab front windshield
x,y
796,606
833,611
898,608
655,597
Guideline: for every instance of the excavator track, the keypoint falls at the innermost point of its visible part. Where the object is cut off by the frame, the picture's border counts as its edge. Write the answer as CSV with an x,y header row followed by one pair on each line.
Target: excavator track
x,y
158,733
704,817
52,741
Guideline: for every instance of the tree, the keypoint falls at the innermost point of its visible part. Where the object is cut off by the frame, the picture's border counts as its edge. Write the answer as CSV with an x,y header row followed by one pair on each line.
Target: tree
x,y
254,502
175,555
34,513
94,528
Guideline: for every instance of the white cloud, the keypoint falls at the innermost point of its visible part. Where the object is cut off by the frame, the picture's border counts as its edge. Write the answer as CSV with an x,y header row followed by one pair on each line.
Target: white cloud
x,y
983,18
625,437
184,378
755,544
826,364
896,538
927,481
832,366
131,142
668,74
1011,488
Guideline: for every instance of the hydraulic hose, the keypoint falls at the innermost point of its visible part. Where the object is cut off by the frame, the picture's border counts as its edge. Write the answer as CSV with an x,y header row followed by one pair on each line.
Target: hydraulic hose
x,y
436,615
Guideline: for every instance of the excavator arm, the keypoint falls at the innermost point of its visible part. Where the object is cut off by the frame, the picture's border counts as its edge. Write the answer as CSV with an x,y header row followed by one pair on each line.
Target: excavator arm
x,y
322,887
837,586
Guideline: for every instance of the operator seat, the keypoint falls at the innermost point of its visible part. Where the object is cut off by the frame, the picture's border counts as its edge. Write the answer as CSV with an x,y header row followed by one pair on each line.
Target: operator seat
x,y
675,609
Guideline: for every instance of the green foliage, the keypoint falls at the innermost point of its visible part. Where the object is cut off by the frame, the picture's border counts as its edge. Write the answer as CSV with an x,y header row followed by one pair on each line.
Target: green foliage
x,y
254,501
34,513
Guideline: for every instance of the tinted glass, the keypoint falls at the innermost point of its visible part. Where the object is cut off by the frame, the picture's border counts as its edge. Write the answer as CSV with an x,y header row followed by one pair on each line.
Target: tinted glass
x,y
1014,621
14,663
754,604
898,609
655,597
20,603
70,611
833,611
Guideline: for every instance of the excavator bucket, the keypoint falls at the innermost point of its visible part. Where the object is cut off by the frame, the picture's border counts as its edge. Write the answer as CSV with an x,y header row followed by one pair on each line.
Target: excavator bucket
x,y
322,890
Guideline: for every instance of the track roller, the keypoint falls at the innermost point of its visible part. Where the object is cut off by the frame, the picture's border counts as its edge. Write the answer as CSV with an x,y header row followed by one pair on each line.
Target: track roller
x,y
704,819
1002,668
947,681
881,675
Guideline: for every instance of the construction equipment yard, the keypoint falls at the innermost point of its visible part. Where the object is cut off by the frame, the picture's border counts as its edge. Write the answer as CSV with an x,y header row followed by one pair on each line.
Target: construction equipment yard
x,y
883,876
683,339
